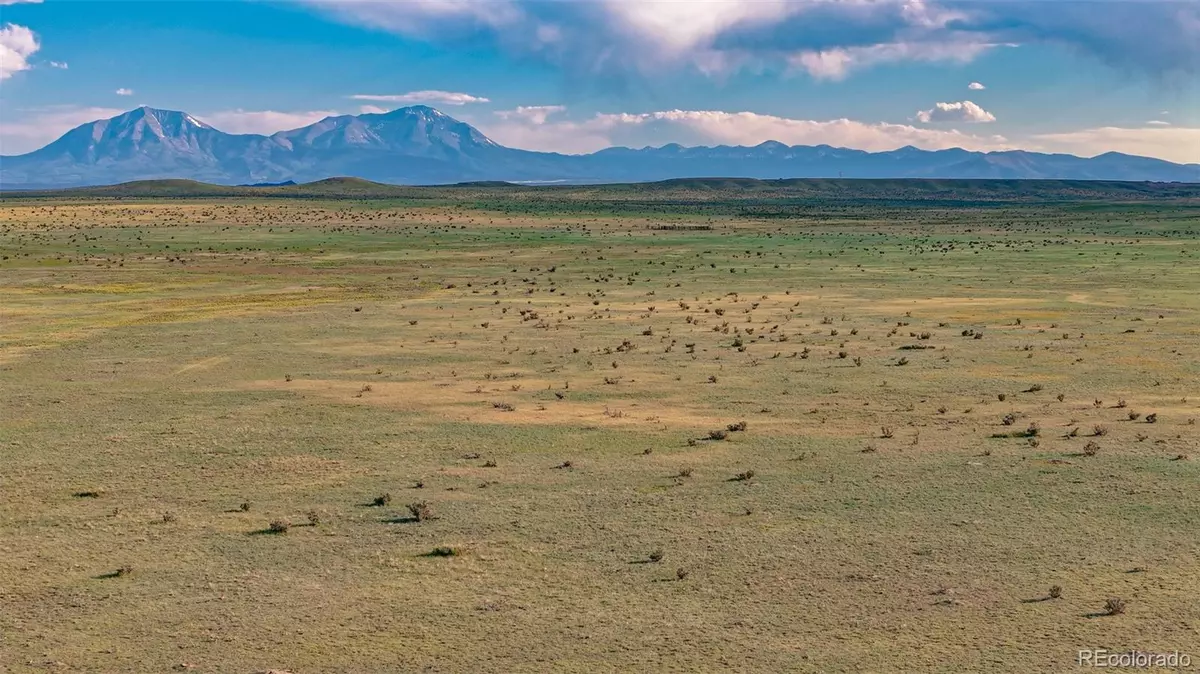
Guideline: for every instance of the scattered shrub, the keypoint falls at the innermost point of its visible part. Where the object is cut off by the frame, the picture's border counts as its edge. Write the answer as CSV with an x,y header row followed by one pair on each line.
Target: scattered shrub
x,y
445,551
420,511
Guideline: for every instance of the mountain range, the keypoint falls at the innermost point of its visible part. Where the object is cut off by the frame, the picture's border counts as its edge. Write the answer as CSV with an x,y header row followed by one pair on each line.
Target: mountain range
x,y
419,145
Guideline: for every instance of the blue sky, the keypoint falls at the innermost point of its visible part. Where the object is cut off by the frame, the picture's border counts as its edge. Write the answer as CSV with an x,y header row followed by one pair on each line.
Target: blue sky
x,y
574,76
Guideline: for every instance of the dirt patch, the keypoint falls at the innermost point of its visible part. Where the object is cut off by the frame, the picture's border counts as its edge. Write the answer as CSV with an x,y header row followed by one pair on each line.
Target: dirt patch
x,y
455,400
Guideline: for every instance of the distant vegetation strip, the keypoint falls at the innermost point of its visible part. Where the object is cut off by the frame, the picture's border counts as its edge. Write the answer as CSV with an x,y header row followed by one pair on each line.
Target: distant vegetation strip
x,y
963,191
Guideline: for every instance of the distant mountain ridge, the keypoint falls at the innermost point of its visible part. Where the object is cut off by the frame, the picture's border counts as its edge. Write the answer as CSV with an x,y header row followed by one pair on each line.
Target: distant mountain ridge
x,y
419,145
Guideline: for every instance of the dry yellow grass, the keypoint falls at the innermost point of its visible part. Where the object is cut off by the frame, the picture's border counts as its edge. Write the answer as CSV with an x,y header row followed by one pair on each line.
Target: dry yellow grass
x,y
529,377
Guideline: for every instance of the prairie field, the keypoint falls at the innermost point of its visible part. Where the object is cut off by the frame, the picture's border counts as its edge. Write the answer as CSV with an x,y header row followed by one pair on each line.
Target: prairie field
x,y
586,431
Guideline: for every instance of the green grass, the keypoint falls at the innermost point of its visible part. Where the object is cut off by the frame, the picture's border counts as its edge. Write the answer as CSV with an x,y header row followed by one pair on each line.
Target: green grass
x,y
187,356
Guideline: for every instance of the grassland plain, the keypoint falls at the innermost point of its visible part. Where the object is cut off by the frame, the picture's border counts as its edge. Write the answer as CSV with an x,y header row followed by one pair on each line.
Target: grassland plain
x,y
497,432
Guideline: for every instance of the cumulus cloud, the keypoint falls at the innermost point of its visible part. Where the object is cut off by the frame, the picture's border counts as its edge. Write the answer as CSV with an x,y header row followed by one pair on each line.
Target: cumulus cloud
x,y
17,44
960,111
265,122
824,38
61,65
1177,144
535,114
123,92
976,86
1158,122
562,134
27,129
433,97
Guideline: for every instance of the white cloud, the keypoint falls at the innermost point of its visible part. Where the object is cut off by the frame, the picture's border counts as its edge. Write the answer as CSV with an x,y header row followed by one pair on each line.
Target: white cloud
x,y
676,29
717,127
265,122
434,97
838,63
18,2
17,44
749,128
1177,144
1159,122
831,64
829,39
976,86
61,65
123,92
960,111
535,114
371,110
25,130
529,128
